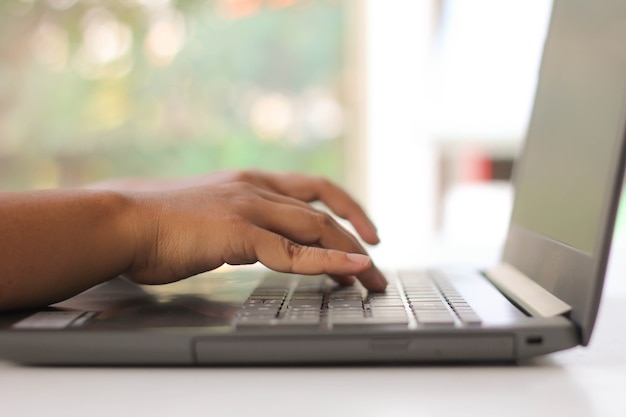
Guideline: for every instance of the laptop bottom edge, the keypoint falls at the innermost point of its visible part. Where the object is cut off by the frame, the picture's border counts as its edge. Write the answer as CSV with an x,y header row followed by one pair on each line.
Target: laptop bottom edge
x,y
284,348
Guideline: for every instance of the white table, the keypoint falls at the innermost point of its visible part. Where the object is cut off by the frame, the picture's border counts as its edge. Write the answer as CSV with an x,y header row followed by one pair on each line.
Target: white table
x,y
579,382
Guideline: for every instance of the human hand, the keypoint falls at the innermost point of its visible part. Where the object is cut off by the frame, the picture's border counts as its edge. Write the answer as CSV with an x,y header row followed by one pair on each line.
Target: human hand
x,y
191,230
299,186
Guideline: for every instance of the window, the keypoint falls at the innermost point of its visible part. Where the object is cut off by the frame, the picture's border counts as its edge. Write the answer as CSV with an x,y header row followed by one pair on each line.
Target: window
x,y
449,83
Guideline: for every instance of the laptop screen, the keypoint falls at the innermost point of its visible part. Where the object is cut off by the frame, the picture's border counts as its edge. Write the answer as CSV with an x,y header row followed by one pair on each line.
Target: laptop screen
x,y
568,180
577,126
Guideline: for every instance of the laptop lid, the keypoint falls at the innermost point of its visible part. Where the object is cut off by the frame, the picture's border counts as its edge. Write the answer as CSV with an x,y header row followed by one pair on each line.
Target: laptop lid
x,y
568,182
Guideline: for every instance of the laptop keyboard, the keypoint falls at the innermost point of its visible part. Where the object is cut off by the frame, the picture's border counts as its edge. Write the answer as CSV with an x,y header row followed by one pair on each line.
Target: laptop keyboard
x,y
434,300
416,299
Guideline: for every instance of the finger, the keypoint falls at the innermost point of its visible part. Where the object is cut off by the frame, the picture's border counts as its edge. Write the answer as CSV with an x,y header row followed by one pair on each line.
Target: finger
x,y
283,255
308,189
303,224
284,199
308,227
343,280
300,234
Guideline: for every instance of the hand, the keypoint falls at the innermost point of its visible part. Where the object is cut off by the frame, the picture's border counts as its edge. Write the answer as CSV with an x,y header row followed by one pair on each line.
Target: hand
x,y
56,243
302,187
264,218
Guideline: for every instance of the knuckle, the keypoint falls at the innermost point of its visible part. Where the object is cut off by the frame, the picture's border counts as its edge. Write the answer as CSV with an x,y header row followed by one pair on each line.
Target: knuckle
x,y
246,176
324,257
239,246
301,259
242,194
327,182
325,221
293,252
291,249
322,181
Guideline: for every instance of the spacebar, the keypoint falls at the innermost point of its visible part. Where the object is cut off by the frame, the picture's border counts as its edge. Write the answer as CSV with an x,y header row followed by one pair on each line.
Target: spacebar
x,y
367,321
274,322
434,317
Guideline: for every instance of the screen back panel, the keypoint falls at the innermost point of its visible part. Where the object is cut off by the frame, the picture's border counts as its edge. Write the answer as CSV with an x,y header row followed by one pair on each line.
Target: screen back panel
x,y
569,178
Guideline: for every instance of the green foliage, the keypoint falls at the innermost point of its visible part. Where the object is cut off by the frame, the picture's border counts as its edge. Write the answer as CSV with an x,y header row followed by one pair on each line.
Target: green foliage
x,y
66,123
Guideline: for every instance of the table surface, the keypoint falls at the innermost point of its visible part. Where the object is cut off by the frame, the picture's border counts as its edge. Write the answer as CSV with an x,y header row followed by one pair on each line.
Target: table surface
x,y
579,382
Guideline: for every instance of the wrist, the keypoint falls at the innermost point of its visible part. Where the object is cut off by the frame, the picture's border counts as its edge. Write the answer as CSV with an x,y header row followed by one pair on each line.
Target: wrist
x,y
62,242
139,223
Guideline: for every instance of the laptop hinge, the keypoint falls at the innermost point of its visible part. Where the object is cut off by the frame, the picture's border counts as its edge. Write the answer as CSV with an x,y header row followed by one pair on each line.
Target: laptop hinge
x,y
525,292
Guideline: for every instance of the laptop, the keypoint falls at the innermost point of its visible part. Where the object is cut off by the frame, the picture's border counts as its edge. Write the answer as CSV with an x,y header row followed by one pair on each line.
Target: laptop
x,y
542,296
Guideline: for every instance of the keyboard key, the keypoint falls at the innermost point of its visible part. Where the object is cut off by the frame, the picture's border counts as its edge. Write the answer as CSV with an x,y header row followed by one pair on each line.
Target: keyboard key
x,y
254,322
305,303
428,317
345,304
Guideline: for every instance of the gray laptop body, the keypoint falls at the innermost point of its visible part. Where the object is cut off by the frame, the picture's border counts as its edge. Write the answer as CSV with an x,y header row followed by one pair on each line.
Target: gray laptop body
x,y
542,297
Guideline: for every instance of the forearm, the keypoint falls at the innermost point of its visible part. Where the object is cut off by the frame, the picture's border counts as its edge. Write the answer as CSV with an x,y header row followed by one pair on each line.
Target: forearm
x,y
54,244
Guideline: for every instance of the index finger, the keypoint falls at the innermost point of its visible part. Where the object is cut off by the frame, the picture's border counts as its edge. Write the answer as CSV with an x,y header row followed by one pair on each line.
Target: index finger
x,y
284,255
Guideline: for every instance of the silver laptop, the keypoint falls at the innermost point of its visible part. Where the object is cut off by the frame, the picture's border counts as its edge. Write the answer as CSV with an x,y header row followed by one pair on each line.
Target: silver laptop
x,y
542,297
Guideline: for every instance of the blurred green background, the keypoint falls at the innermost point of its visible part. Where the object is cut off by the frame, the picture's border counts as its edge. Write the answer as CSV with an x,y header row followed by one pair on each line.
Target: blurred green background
x,y
98,89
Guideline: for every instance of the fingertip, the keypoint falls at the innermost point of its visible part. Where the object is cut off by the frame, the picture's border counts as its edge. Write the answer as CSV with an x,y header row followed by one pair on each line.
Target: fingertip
x,y
381,284
374,231
373,240
369,233
359,259
368,236
374,281
363,227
